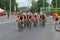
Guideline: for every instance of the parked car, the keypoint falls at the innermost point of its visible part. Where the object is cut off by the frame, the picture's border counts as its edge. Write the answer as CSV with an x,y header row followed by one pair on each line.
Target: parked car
x,y
2,14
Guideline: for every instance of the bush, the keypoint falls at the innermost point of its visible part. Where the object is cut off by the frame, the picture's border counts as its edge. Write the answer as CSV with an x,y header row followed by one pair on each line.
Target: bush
x,y
54,10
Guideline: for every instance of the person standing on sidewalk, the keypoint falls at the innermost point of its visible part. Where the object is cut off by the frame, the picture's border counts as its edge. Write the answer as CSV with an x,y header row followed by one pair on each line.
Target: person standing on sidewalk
x,y
8,15
56,16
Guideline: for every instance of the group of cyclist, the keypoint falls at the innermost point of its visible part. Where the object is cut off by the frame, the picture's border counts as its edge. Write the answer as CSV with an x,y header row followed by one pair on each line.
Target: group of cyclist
x,y
28,20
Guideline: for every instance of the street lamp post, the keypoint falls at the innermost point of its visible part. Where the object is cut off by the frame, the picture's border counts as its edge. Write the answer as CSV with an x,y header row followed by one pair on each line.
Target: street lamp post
x,y
43,5
49,7
49,2
56,5
10,7
37,7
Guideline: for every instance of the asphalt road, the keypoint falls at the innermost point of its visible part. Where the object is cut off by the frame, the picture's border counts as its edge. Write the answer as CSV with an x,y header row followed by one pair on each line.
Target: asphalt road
x,y
8,31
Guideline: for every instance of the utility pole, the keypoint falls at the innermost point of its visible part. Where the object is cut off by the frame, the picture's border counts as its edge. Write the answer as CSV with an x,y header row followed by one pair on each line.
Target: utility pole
x,y
43,5
49,7
10,9
56,5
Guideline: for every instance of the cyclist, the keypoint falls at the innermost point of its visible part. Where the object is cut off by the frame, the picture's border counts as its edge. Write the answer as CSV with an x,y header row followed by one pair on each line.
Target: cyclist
x,y
43,19
20,21
24,16
27,20
30,21
40,17
36,16
35,19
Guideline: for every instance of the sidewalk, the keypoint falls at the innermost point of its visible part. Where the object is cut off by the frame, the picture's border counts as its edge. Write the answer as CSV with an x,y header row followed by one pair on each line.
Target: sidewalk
x,y
4,18
11,16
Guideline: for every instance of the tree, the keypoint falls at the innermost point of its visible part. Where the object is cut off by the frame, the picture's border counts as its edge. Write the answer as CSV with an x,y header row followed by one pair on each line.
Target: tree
x,y
5,4
2,4
33,9
40,4
36,5
54,3
16,6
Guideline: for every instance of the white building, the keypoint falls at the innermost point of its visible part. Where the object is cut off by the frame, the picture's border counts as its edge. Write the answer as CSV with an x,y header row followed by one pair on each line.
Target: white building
x,y
24,3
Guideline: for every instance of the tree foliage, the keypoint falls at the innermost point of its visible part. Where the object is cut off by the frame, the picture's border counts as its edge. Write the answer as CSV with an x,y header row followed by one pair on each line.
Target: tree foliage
x,y
40,4
36,5
5,4
54,3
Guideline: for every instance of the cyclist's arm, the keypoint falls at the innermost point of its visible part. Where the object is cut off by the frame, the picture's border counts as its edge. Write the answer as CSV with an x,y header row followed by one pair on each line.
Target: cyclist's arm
x,y
18,19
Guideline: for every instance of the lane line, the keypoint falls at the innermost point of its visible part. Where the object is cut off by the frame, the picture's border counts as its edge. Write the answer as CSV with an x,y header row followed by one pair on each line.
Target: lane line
x,y
7,21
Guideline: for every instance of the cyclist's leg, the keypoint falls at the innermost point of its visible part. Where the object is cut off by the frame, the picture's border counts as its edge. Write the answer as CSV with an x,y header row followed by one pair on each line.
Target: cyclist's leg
x,y
27,24
31,24
56,21
18,26
24,24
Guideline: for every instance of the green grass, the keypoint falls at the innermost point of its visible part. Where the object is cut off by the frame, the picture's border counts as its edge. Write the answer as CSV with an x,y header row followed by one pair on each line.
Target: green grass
x,y
54,10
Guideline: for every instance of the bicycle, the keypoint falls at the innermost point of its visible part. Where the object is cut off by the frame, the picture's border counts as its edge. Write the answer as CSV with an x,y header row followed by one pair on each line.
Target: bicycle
x,y
20,26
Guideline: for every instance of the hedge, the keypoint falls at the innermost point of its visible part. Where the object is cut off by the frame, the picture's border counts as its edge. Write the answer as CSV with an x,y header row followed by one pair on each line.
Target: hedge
x,y
52,10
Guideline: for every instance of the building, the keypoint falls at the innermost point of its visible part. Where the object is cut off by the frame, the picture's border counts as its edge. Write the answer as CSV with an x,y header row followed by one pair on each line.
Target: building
x,y
24,3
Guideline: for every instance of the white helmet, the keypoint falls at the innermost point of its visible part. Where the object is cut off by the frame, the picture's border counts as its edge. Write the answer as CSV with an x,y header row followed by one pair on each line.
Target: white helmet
x,y
35,13
44,14
24,13
41,13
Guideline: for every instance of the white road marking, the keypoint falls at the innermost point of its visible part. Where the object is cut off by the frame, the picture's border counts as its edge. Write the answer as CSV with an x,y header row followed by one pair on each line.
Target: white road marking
x,y
0,36
7,21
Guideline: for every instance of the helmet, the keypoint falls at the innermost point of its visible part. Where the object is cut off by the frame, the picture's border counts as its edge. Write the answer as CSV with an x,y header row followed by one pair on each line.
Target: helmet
x,y
35,13
23,13
41,13
44,14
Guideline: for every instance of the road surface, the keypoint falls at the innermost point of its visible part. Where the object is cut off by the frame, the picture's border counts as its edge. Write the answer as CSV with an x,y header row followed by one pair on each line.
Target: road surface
x,y
8,31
